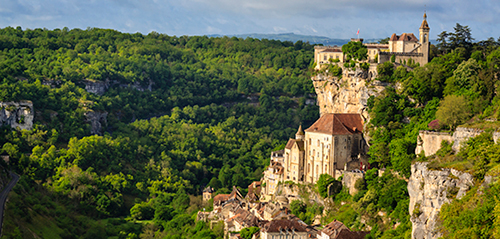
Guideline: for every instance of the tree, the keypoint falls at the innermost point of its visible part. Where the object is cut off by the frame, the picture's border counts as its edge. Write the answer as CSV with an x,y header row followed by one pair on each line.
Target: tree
x,y
453,110
323,182
247,233
355,50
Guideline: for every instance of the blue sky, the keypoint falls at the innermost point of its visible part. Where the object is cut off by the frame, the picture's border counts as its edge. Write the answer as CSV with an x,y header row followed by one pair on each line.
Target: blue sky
x,y
330,18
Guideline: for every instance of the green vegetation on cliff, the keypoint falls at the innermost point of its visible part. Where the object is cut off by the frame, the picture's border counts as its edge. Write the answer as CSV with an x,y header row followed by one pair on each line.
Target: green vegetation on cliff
x,y
182,113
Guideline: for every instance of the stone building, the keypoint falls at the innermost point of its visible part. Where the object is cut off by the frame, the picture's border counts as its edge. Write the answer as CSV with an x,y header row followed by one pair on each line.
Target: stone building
x,y
405,47
294,157
207,193
333,143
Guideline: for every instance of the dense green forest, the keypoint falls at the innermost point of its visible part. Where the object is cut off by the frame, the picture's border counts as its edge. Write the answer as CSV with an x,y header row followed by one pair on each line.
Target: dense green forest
x,y
216,109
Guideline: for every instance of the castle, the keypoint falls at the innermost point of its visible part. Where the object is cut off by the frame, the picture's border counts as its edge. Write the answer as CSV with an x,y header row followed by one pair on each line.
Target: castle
x,y
405,48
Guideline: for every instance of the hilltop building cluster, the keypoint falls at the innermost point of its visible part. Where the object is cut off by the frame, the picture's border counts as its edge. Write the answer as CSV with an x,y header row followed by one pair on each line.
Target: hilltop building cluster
x,y
274,219
333,145
404,48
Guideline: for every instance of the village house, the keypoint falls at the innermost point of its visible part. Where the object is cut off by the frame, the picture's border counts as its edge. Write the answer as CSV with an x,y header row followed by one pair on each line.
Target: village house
x,y
283,228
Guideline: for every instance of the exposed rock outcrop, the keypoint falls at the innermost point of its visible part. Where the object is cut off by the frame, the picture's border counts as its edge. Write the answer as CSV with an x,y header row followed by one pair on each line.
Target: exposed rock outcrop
x,y
349,180
347,95
429,190
463,134
100,87
97,120
496,136
96,87
17,114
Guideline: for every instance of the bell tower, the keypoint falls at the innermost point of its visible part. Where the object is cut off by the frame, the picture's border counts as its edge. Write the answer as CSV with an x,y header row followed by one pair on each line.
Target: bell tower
x,y
424,39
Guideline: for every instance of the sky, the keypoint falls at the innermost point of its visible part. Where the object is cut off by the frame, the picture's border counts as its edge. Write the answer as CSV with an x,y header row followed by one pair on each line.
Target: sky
x,y
330,18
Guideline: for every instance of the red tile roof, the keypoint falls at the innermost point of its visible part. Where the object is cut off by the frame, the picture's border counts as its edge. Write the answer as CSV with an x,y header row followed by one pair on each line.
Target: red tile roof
x,y
404,37
338,124
291,142
283,225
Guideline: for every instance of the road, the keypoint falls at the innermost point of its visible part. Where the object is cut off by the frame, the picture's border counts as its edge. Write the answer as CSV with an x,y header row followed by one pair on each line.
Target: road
x,y
3,196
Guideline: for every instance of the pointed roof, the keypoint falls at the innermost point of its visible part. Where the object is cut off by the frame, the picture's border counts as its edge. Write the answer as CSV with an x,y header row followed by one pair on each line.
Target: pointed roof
x,y
338,124
300,131
424,25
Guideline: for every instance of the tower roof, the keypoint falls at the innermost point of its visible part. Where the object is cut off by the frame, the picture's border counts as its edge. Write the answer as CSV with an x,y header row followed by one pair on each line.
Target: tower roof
x,y
300,131
424,25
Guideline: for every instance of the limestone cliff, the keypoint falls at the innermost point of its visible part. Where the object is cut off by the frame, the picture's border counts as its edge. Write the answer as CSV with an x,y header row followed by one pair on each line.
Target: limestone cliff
x,y
100,87
429,190
346,95
97,120
17,114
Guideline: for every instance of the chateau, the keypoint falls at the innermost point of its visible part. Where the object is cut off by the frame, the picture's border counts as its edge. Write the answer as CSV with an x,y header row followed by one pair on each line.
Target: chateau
x,y
405,47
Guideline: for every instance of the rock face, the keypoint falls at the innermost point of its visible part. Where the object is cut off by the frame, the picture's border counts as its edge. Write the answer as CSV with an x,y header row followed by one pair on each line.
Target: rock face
x,y
100,87
496,136
96,87
429,190
349,180
17,114
97,120
463,134
347,95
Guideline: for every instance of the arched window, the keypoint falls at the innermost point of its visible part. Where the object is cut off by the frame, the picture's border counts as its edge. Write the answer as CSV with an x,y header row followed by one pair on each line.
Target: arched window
x,y
318,143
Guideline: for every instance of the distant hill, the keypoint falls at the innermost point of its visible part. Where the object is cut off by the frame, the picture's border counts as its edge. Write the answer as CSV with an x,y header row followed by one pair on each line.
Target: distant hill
x,y
293,38
305,38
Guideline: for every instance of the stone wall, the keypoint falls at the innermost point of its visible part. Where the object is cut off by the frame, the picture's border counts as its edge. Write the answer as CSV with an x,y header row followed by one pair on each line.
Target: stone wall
x,y
429,190
429,142
17,114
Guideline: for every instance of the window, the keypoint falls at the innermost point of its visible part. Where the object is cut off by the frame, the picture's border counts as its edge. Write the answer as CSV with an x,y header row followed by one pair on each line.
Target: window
x,y
324,58
318,143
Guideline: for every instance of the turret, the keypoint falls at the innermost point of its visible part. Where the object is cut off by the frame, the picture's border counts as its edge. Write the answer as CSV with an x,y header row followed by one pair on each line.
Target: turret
x,y
300,134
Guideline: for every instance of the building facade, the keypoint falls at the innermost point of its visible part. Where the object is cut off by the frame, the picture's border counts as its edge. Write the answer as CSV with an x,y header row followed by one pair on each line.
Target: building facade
x,y
405,48
329,145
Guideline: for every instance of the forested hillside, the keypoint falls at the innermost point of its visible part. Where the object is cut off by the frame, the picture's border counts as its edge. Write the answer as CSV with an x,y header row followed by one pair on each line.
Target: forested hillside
x,y
182,113
187,112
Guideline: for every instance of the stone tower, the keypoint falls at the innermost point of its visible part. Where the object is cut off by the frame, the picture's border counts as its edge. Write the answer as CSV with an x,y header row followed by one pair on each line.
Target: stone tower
x,y
424,38
300,134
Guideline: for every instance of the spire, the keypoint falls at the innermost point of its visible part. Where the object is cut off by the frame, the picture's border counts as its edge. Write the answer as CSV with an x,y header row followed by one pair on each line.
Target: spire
x,y
424,22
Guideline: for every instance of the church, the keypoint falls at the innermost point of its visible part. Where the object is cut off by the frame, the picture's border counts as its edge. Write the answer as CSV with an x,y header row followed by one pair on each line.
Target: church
x,y
332,143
